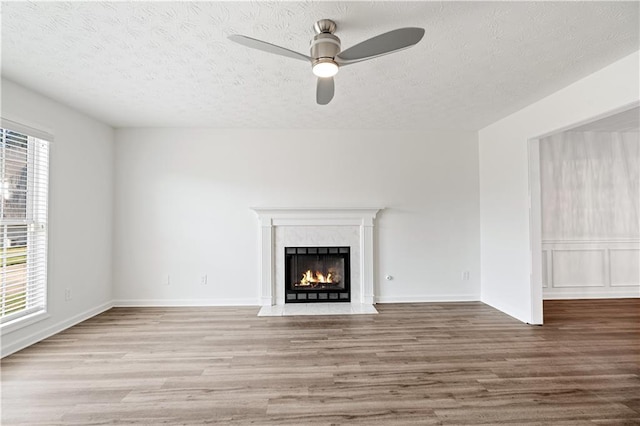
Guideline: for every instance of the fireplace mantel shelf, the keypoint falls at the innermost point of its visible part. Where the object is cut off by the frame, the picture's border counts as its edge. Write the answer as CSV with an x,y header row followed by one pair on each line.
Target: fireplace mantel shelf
x,y
329,210
292,216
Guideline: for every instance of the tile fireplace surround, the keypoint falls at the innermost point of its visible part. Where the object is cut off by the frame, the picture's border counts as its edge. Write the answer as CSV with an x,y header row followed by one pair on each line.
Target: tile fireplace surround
x,y
309,227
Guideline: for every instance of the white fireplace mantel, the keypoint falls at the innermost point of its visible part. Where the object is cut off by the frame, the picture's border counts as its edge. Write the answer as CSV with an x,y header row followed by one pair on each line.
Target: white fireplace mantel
x,y
361,218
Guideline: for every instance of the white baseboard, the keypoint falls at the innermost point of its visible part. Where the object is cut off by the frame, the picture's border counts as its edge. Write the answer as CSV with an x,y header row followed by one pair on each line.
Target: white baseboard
x,y
429,298
53,329
185,302
624,294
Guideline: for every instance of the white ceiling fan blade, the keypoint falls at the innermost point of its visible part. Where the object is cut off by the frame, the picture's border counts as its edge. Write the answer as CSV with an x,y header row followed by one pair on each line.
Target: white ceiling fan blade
x,y
383,44
267,47
324,90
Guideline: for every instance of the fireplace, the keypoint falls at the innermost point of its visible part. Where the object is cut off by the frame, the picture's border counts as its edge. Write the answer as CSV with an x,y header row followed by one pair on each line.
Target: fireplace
x,y
317,274
283,227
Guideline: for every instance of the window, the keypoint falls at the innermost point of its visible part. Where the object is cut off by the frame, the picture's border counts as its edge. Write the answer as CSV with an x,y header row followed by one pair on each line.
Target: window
x,y
24,175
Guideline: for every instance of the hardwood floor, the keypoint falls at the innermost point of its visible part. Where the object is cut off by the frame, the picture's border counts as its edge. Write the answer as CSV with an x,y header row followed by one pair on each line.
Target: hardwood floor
x,y
437,363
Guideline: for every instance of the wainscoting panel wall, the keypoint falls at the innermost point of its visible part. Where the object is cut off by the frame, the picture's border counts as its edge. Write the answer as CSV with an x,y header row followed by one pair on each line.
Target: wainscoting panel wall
x,y
624,264
590,269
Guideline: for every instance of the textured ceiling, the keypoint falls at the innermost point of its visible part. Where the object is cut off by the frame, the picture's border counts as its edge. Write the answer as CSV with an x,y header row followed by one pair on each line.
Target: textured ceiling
x,y
170,64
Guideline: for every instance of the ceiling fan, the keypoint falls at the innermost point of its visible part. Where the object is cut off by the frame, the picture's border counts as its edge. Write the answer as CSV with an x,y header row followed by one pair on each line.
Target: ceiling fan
x,y
326,58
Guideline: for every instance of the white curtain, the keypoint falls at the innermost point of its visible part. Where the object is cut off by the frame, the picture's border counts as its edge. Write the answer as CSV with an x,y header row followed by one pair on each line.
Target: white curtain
x,y
590,183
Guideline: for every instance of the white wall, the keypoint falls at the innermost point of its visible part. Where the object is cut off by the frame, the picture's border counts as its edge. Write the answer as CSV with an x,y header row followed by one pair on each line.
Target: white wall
x,y
183,199
80,211
504,212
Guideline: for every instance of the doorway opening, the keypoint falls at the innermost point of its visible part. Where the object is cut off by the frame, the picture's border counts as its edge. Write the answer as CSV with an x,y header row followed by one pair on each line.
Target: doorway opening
x,y
584,210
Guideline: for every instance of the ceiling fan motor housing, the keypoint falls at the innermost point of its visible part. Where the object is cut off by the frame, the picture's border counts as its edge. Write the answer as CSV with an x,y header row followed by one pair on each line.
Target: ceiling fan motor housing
x,y
324,46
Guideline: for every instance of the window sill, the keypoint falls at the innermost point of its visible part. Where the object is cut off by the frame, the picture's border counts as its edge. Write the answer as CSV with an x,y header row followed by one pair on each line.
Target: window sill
x,y
22,322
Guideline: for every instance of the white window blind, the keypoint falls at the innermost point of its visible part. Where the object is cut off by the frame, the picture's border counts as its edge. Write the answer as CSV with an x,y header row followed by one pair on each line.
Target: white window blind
x,y
24,175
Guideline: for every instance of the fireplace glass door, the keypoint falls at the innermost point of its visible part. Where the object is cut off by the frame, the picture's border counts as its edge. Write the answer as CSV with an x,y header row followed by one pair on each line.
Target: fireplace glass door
x,y
317,274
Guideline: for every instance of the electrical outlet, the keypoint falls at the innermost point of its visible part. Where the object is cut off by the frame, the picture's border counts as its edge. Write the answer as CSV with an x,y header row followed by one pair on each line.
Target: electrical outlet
x,y
465,276
203,279
67,294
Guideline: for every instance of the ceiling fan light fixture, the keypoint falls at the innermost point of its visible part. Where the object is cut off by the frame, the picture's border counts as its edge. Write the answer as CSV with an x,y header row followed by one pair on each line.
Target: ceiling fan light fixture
x,y
325,67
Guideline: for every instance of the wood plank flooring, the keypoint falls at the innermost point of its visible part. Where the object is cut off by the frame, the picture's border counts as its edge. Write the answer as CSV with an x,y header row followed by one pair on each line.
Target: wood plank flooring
x,y
436,363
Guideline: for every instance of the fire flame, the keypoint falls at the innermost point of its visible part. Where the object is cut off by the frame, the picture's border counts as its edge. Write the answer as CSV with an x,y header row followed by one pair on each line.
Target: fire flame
x,y
309,278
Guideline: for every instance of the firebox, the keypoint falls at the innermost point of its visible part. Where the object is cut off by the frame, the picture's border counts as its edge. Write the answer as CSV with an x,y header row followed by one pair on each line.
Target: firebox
x,y
317,274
